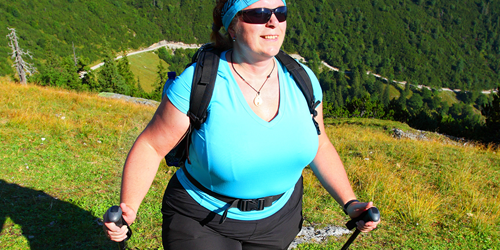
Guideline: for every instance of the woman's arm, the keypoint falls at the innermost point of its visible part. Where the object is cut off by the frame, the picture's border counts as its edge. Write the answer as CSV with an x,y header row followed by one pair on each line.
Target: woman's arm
x,y
330,171
163,132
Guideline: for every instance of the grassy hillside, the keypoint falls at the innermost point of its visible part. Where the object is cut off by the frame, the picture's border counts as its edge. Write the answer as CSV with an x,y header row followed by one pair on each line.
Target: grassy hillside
x,y
62,154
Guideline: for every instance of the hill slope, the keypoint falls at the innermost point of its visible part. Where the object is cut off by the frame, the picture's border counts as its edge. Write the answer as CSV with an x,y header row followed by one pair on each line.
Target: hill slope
x,y
62,154
453,44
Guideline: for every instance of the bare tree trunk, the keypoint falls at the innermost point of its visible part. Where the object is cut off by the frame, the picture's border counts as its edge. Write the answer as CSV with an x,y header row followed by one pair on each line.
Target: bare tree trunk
x,y
21,73
21,66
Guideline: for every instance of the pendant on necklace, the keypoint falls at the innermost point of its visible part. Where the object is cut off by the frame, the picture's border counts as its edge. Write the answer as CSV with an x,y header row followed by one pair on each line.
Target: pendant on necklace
x,y
257,101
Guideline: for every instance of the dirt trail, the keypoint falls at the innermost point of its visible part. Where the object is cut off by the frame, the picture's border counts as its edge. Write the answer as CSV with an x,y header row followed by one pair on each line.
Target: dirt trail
x,y
177,45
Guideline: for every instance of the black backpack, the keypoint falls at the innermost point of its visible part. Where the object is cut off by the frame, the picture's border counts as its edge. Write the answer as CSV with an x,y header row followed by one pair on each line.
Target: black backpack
x,y
207,63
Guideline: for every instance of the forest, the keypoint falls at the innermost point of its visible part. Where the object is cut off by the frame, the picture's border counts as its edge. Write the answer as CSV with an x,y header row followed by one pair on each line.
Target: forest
x,y
436,43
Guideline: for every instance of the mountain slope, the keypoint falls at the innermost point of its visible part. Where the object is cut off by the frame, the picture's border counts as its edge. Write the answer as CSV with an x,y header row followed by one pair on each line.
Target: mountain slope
x,y
438,43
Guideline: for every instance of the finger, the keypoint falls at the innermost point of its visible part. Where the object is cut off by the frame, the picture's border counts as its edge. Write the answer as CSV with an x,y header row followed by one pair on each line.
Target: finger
x,y
117,238
369,205
111,226
125,208
366,226
119,235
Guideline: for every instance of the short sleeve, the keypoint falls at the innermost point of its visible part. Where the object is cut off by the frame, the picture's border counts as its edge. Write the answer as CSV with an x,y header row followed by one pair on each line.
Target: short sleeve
x,y
179,91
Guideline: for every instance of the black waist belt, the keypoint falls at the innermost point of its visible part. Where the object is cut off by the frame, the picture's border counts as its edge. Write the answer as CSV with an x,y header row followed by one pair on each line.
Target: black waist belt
x,y
242,204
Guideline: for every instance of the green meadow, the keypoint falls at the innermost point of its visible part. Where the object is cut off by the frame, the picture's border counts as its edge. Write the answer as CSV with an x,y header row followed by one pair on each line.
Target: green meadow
x,y
62,152
145,67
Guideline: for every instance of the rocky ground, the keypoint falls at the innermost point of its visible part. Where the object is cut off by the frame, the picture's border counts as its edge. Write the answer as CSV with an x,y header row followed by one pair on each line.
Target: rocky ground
x,y
310,235
129,99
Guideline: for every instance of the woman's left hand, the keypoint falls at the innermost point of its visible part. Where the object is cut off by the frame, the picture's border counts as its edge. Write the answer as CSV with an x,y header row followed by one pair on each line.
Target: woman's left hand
x,y
355,209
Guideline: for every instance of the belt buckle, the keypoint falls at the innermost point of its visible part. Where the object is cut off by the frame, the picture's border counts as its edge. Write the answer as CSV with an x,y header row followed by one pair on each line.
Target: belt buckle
x,y
251,205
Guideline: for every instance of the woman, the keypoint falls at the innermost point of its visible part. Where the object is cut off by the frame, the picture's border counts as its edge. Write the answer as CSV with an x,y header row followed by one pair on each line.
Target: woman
x,y
254,145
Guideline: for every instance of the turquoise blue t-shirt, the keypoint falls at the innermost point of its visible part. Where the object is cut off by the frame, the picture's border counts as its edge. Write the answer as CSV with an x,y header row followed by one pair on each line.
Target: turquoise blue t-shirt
x,y
238,154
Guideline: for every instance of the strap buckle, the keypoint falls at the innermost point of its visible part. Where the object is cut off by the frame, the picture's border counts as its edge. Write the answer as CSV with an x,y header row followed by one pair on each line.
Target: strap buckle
x,y
250,205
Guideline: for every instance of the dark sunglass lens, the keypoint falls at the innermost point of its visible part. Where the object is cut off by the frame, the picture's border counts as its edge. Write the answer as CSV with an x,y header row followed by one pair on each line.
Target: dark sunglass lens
x,y
281,13
257,16
262,15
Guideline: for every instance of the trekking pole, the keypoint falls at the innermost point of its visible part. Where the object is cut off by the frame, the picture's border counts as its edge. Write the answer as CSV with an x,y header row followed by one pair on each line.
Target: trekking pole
x,y
115,215
372,214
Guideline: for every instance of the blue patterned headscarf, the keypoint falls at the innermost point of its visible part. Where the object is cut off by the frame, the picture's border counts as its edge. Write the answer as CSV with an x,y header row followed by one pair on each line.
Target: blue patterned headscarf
x,y
232,7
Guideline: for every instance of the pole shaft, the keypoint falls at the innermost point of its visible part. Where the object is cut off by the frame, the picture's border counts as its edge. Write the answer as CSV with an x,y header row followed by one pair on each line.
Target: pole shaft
x,y
351,239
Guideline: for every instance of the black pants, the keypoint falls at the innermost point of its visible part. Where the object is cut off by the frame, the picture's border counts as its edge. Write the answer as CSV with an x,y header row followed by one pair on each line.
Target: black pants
x,y
189,226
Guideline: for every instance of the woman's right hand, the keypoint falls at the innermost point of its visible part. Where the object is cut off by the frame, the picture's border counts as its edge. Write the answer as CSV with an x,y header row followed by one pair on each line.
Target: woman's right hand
x,y
116,233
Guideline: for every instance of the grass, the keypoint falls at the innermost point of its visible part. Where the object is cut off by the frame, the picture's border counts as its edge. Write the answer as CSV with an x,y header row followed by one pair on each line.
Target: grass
x,y
144,66
393,92
62,152
449,97
431,195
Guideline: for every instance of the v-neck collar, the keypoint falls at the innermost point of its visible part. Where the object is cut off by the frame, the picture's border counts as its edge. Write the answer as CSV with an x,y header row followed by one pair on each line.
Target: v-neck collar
x,y
242,101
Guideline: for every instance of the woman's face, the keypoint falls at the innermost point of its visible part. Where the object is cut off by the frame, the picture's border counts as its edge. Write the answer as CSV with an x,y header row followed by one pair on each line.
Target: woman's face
x,y
260,40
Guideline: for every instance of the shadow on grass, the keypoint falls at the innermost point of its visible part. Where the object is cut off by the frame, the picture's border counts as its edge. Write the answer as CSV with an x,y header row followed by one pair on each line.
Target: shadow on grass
x,y
48,223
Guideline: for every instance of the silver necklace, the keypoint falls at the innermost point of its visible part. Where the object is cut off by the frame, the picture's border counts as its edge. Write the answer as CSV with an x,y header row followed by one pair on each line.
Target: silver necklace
x,y
257,100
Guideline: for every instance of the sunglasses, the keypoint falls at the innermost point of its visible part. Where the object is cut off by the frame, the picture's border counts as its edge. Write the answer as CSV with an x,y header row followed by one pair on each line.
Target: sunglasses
x,y
262,15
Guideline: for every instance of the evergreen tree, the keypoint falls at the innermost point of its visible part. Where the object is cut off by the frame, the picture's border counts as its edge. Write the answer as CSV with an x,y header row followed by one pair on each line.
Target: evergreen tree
x,y
338,98
161,78
492,114
70,72
164,54
58,72
128,77
314,62
109,78
415,103
404,94
378,85
50,71
398,112
386,95
357,89
89,81
140,91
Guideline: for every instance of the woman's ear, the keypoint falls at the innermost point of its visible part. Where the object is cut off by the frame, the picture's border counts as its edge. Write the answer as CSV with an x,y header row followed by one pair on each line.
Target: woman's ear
x,y
232,32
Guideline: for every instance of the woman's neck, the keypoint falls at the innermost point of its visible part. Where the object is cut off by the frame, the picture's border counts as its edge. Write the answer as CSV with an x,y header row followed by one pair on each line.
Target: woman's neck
x,y
250,65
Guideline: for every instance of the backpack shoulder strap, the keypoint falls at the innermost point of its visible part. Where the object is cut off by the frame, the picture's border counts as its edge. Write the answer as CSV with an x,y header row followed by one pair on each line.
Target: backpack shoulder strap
x,y
202,87
303,81
205,73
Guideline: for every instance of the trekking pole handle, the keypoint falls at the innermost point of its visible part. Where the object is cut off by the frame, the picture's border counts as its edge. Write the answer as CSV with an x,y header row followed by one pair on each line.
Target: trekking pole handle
x,y
115,215
372,214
